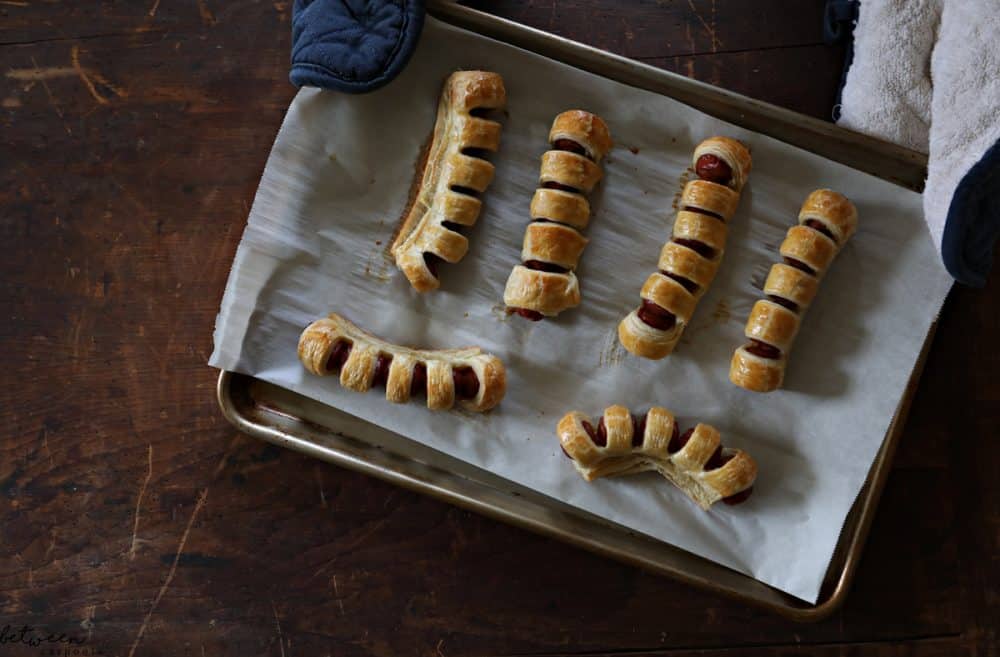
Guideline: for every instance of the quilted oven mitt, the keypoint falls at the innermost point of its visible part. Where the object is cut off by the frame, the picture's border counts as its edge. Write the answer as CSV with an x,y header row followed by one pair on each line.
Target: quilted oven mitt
x,y
353,46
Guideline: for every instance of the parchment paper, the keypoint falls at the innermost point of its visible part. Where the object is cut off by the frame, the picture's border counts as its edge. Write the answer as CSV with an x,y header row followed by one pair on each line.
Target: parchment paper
x,y
331,196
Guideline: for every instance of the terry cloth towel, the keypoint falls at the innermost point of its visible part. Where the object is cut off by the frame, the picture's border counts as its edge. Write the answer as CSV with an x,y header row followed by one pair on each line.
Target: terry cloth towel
x,y
926,75
353,45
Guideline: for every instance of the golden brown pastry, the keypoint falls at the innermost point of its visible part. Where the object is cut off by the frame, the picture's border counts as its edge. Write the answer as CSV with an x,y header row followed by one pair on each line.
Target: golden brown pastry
x,y
826,221
689,261
694,461
545,284
454,177
476,380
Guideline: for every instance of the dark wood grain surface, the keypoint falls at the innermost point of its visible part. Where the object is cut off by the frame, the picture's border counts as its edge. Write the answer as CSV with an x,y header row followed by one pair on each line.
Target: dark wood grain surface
x,y
132,516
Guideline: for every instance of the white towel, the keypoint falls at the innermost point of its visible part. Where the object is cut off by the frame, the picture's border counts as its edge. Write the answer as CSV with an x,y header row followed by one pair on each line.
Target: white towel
x,y
926,74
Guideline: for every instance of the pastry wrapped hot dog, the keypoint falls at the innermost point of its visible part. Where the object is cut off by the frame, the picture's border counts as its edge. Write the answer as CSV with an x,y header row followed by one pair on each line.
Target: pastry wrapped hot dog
x,y
826,221
689,261
545,284
455,174
694,461
476,380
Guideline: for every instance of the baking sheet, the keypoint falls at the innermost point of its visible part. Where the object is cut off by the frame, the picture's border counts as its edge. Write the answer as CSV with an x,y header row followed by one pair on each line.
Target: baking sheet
x,y
336,184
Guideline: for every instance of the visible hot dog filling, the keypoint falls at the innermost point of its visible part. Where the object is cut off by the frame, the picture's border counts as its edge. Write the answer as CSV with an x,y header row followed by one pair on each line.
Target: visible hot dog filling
x,y
432,260
654,316
382,369
538,265
638,430
453,227
338,355
466,382
551,184
737,498
527,313
763,349
716,460
816,225
686,283
478,153
798,264
713,169
468,191
418,384
677,443
782,301
483,112
594,436
691,208
602,433
571,146
702,249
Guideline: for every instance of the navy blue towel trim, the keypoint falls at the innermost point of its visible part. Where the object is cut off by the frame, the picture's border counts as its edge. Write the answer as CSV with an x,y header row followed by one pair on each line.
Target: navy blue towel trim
x,y
973,224
353,46
839,19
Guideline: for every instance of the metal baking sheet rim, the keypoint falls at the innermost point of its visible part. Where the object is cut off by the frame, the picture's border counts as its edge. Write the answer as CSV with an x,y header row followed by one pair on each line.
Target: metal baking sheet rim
x,y
530,510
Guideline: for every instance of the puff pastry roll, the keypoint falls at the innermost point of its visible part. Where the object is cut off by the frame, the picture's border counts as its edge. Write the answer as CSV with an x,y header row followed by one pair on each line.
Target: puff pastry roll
x,y
623,444
455,175
477,381
689,261
826,221
545,284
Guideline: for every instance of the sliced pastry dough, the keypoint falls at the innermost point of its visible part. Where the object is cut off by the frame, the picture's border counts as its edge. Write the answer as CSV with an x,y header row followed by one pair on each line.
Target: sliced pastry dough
x,y
545,284
621,444
827,220
689,261
333,345
454,176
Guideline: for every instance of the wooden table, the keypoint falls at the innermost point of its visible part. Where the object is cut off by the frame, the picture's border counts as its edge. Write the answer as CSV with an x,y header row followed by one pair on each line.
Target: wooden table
x,y
134,517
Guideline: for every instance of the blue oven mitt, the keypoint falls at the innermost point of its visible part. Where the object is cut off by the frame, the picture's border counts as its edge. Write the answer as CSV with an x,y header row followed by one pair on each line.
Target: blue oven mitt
x,y
353,45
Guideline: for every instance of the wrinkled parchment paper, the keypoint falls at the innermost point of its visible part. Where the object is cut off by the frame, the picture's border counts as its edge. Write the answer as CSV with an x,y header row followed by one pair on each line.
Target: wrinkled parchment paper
x,y
336,184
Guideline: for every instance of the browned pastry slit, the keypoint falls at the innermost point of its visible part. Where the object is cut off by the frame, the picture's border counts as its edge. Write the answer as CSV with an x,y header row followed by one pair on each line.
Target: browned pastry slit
x,y
652,315
418,385
538,265
763,349
382,370
589,428
702,249
479,153
713,169
466,382
691,208
338,356
798,264
571,146
815,225
687,283
485,112
551,184
468,191
452,226
432,260
782,301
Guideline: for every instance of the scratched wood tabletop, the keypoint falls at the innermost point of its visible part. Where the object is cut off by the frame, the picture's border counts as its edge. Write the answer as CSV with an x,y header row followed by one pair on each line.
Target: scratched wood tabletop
x,y
135,520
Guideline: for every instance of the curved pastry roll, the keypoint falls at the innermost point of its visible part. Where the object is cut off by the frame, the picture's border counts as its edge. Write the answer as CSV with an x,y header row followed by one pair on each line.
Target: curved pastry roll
x,y
827,220
622,444
454,175
545,284
476,380
689,261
